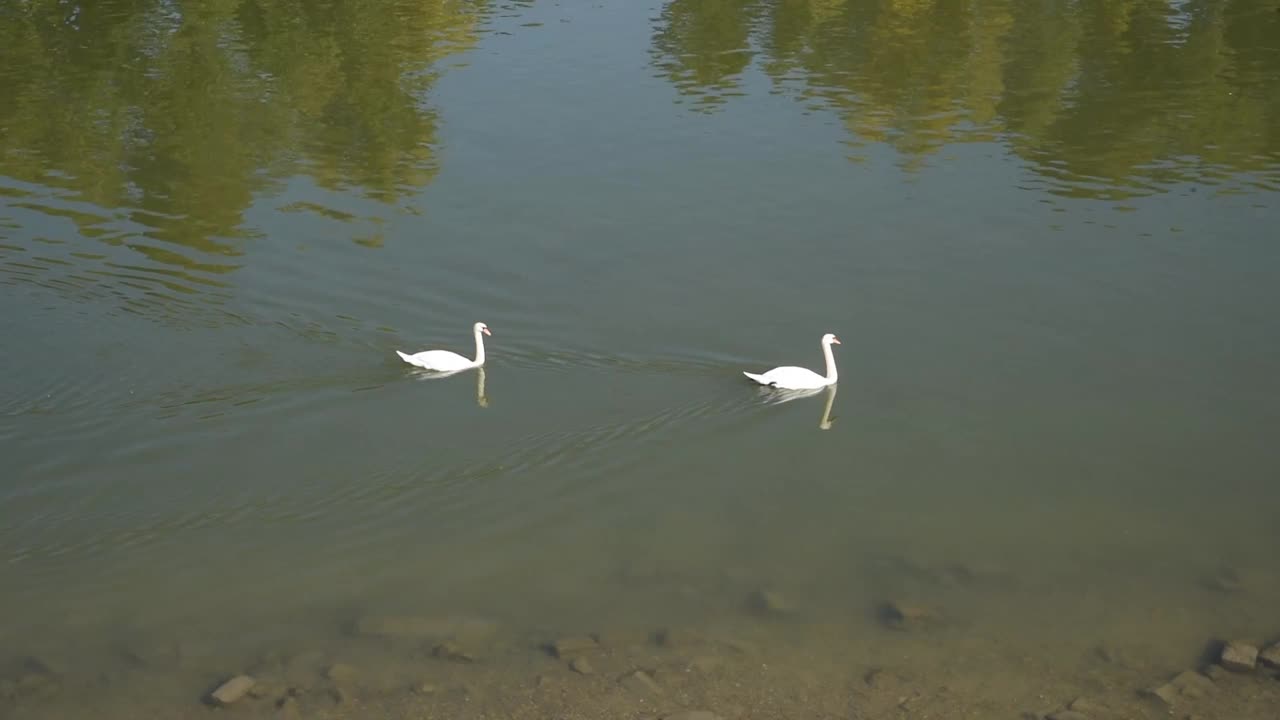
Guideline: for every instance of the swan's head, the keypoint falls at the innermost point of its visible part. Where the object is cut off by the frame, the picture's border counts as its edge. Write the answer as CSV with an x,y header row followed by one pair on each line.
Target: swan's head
x,y
482,328
830,339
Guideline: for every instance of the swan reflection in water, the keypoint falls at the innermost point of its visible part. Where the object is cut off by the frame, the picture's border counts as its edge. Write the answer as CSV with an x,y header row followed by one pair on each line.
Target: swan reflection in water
x,y
482,398
774,396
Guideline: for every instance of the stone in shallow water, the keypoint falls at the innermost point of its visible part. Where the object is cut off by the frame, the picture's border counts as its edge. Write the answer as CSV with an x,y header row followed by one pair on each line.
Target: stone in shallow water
x,y
288,708
640,683
1166,694
342,673
1192,684
903,616
263,689
1271,656
452,651
1239,657
706,663
1216,672
692,715
576,645
1187,684
232,690
582,666
1086,706
768,602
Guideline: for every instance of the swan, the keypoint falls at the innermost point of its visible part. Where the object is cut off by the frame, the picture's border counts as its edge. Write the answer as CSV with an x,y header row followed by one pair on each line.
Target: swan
x,y
446,361
798,378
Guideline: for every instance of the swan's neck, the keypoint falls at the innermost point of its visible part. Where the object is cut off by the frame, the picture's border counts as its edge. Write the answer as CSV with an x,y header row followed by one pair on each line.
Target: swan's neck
x,y
832,375
479,348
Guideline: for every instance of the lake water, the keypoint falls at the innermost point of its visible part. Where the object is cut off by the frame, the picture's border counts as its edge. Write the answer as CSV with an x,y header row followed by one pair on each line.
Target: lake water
x,y
1044,233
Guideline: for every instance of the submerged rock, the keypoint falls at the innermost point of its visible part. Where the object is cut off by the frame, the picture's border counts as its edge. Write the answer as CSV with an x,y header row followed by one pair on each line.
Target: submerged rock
x,y
1166,694
232,690
1216,672
452,651
582,666
692,715
1271,656
1239,657
342,673
1192,683
640,683
288,708
1086,706
706,663
567,647
768,602
901,616
1187,684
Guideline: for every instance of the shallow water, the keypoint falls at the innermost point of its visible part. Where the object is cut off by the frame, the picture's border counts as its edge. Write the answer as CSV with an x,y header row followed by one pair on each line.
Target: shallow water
x,y
1044,236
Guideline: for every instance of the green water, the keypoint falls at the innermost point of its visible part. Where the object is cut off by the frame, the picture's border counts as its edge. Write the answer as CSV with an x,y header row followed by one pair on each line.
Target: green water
x,y
1045,234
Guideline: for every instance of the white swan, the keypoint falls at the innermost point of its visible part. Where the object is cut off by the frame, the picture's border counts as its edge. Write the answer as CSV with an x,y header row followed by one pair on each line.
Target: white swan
x,y
446,361
798,378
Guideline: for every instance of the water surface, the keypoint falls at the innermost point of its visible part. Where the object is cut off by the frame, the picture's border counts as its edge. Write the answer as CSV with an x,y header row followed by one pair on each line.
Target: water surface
x,y
1043,233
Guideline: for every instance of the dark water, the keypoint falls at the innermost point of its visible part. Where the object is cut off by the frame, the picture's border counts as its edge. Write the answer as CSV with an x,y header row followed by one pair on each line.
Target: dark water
x,y
1044,233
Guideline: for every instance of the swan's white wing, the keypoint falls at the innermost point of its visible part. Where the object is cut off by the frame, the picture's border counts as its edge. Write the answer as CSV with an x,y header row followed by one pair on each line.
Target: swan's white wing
x,y
790,378
442,360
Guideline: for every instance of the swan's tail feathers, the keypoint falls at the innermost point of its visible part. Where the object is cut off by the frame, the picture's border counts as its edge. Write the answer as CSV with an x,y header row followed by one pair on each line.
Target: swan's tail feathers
x,y
404,357
758,378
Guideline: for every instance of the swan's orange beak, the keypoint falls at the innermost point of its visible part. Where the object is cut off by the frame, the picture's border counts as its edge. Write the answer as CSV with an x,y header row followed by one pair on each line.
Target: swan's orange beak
x,y
485,331
835,341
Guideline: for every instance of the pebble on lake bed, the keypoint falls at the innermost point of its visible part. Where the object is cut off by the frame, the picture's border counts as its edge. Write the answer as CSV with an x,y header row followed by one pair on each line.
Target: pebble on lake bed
x,y
232,690
1240,657
288,708
640,683
1187,684
692,715
1271,656
342,673
582,666
452,651
901,616
567,647
768,602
